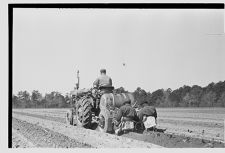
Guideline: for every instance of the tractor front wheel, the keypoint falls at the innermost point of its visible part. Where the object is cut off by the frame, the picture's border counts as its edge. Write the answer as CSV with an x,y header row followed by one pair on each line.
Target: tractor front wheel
x,y
69,117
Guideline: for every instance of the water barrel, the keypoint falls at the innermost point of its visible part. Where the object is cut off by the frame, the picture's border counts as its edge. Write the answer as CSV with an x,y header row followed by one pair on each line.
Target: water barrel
x,y
110,100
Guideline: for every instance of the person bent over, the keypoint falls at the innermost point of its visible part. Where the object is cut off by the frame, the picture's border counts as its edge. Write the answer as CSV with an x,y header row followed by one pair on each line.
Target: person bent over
x,y
148,115
125,118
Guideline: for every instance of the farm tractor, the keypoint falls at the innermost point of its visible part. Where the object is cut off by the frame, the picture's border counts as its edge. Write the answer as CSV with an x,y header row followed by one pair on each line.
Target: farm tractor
x,y
93,109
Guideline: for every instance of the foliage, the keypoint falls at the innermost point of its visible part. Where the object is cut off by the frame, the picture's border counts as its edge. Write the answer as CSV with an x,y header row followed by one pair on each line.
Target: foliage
x,y
140,95
36,100
212,95
120,90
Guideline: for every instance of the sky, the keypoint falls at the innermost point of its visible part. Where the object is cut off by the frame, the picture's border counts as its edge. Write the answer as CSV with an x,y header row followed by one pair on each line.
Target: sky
x,y
160,48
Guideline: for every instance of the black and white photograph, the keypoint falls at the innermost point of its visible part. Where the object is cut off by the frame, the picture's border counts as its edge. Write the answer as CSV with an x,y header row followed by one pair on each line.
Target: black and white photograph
x,y
125,75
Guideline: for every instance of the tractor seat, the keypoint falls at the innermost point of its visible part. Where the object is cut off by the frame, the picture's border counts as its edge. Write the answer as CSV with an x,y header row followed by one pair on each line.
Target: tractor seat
x,y
106,88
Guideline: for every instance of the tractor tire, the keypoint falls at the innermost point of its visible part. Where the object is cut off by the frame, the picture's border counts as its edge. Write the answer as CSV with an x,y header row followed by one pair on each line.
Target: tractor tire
x,y
84,113
105,123
69,117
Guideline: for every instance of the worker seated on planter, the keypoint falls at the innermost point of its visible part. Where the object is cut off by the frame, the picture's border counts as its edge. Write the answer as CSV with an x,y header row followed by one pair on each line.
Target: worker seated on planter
x,y
125,118
148,115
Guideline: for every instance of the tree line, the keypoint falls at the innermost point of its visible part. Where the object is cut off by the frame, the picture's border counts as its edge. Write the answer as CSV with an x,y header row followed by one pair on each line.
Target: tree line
x,y
212,95
24,99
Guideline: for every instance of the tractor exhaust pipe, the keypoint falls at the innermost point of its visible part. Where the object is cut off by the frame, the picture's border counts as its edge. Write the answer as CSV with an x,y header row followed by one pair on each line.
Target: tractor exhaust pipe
x,y
78,80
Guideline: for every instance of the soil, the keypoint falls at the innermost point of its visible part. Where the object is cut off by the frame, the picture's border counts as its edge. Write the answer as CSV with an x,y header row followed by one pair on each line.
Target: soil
x,y
41,137
178,134
19,141
202,123
174,141
47,133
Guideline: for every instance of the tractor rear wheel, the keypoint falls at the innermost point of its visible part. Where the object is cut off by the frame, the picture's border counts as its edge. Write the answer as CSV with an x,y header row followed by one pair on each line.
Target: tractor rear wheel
x,y
105,123
84,113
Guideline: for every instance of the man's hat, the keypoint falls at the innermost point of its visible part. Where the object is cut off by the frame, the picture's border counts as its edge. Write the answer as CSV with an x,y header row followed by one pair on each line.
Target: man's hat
x,y
103,70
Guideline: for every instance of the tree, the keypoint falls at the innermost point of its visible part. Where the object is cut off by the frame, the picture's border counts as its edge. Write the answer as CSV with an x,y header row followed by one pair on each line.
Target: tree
x,y
190,100
120,90
209,87
221,100
148,97
212,95
60,100
196,93
166,101
158,97
36,98
49,99
219,88
169,90
174,98
208,99
23,99
55,99
15,103
140,95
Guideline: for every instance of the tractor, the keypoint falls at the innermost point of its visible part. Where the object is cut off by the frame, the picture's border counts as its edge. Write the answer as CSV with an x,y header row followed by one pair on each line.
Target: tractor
x,y
93,109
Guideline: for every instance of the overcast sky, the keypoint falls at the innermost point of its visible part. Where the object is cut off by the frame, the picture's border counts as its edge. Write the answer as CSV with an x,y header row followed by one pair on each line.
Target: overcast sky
x,y
160,48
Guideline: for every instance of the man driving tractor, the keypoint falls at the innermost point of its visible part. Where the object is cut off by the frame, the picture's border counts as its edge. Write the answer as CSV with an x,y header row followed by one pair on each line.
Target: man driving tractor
x,y
115,109
103,82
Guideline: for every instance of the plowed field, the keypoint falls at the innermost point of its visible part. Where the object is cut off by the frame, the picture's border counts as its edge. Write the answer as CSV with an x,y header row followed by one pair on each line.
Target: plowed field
x,y
177,128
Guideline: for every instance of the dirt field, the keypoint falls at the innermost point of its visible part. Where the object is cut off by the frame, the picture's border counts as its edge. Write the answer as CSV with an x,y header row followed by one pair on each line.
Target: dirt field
x,y
184,128
42,130
207,123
